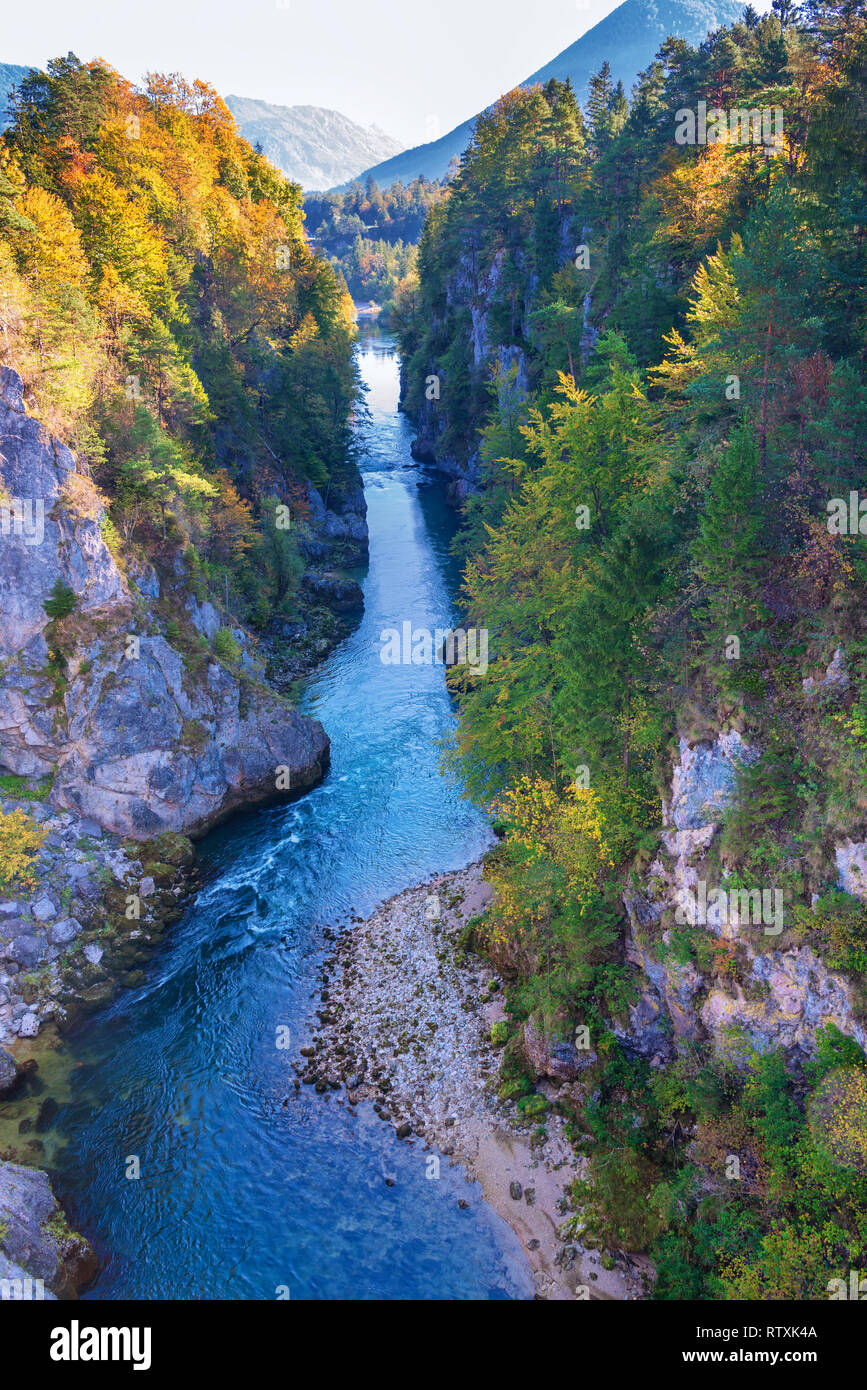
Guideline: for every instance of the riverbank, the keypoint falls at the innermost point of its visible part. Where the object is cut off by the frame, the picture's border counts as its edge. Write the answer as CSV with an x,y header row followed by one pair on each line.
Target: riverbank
x,y
406,1020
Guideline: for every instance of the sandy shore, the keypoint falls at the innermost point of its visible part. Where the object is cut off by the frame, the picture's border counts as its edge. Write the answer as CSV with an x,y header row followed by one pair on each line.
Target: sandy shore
x,y
405,1023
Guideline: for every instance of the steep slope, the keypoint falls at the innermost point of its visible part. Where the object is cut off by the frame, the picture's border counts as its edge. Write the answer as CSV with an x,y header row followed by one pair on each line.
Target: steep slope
x,y
312,145
118,735
577,319
627,38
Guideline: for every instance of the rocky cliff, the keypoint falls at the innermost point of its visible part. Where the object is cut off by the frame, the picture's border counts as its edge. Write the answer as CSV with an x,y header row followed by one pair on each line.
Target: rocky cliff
x,y
40,1256
122,731
447,415
139,735
767,985
737,973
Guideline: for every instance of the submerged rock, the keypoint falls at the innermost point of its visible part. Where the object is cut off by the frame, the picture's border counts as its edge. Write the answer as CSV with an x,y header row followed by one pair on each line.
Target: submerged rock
x,y
8,1071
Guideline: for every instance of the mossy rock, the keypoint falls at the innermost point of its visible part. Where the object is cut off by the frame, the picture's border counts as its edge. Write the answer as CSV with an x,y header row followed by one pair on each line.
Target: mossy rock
x,y
114,897
500,1033
95,996
518,1086
172,848
162,874
533,1107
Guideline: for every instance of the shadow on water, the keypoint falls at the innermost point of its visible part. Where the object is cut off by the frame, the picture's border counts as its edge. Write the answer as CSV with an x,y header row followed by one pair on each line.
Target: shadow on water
x,y
247,1185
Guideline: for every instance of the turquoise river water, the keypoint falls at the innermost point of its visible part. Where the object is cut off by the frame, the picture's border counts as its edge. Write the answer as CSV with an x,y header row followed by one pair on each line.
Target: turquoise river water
x,y
239,1194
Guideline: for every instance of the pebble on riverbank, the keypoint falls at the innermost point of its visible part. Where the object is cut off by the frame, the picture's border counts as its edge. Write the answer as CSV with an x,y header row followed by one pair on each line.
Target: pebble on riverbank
x,y
405,1024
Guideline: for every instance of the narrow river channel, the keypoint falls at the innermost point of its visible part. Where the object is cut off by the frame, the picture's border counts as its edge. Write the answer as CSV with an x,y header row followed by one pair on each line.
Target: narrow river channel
x,y
247,1186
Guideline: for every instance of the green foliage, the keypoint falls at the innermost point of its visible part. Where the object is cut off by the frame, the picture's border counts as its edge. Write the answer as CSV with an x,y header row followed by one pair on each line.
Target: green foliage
x,y
837,923
61,602
227,646
697,446
615,1199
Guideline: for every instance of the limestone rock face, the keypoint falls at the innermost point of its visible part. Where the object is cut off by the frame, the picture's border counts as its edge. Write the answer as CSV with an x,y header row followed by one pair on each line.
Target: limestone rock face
x,y
704,781
139,745
35,1240
852,868
148,754
42,541
341,525
784,994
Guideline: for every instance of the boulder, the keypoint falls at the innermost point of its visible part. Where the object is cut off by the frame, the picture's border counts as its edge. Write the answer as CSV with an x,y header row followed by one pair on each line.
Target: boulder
x,y
35,1237
555,1058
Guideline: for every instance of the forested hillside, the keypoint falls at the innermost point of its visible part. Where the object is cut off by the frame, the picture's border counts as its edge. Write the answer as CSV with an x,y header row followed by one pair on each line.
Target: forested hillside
x,y
370,234
643,363
171,325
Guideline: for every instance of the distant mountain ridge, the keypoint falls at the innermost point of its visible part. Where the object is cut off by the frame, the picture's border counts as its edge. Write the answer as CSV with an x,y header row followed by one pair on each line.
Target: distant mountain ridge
x,y
627,38
313,145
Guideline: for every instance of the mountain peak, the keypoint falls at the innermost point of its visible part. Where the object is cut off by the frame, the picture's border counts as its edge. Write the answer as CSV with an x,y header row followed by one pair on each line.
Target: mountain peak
x,y
628,38
313,145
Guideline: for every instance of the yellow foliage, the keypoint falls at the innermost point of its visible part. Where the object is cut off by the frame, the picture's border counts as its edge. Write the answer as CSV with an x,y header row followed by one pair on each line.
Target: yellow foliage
x,y
559,832
838,1116
20,842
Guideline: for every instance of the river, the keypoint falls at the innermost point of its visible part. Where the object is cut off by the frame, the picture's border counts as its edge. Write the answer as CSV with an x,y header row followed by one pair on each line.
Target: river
x,y
248,1187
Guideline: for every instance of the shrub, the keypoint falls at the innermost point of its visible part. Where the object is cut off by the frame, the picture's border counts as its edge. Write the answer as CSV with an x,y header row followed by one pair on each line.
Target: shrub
x,y
61,602
837,1113
226,646
840,922
20,842
532,1107
615,1199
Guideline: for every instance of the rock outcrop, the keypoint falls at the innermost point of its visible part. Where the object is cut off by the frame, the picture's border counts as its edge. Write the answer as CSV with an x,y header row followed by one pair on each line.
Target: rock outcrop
x,y
771,990
140,736
470,295
40,1256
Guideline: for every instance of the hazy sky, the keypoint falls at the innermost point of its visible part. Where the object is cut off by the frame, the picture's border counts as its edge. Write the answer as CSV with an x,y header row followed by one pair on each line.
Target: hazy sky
x,y
414,67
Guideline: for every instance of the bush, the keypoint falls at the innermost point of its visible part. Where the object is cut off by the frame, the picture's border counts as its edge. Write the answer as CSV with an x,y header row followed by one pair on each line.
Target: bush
x,y
61,602
532,1107
20,842
840,922
837,1113
226,646
615,1199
